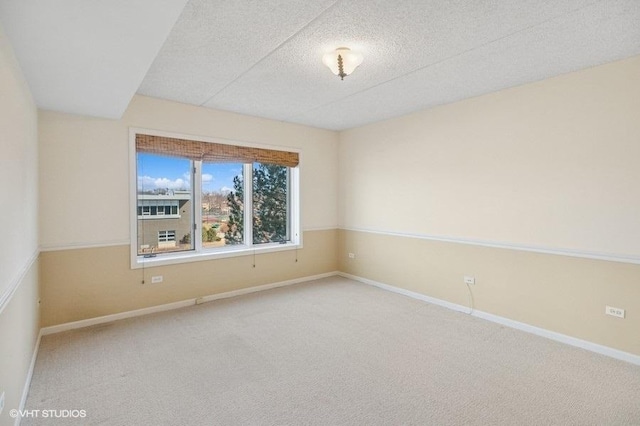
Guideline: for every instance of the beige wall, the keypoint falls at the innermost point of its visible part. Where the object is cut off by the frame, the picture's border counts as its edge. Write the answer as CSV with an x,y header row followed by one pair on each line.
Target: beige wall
x,y
18,169
550,165
84,189
19,327
19,314
84,172
558,293
87,283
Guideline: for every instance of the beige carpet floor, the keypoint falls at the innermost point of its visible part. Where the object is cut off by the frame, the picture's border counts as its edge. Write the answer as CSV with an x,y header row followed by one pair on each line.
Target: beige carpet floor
x,y
328,352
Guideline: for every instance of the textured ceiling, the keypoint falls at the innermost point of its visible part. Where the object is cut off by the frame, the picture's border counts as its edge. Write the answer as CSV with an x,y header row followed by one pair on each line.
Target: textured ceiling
x,y
264,57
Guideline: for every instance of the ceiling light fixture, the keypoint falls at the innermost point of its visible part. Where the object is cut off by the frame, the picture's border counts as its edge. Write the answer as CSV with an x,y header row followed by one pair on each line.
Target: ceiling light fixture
x,y
342,61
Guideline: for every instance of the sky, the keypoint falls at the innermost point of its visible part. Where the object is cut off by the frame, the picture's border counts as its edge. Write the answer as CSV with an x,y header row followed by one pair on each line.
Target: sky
x,y
160,172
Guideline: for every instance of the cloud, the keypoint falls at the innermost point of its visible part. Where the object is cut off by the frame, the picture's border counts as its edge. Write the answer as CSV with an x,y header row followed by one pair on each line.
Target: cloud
x,y
207,178
226,189
150,183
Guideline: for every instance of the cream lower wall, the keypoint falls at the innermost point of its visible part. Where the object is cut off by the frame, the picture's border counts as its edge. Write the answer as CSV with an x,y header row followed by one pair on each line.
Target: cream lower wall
x,y
558,293
81,284
19,327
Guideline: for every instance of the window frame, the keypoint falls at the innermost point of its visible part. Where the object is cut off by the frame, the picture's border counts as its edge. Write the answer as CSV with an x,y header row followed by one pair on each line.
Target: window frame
x,y
199,253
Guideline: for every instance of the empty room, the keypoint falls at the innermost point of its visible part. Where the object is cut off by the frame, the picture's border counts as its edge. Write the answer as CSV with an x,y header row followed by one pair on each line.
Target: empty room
x,y
334,212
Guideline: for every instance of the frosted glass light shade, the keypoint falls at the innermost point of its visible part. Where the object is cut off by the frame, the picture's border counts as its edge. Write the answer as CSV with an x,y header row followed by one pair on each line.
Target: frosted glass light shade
x,y
350,61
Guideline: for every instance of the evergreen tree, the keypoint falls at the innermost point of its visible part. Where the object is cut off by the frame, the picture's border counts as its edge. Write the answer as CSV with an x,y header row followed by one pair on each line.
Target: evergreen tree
x,y
269,203
234,233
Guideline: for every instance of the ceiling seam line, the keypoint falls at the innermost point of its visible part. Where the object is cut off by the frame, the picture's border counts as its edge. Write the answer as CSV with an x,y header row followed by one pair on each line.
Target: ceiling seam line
x,y
449,58
271,52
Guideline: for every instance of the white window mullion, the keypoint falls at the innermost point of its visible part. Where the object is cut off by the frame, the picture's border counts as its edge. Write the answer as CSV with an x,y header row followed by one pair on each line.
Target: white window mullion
x,y
248,204
294,206
196,180
289,231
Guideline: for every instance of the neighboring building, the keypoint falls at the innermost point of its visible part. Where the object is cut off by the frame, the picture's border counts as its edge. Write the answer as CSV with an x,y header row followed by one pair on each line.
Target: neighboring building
x,y
164,221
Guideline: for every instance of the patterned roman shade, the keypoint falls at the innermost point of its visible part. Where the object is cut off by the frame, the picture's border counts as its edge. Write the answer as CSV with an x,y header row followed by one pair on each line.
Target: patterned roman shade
x,y
213,152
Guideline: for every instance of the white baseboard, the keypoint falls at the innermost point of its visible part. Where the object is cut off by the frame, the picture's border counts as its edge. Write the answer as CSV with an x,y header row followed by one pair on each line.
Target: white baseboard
x,y
593,347
266,287
175,305
27,384
558,337
114,317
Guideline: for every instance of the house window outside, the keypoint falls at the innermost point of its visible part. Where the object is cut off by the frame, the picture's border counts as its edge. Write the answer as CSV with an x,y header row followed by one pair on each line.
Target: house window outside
x,y
195,207
166,236
151,208
166,239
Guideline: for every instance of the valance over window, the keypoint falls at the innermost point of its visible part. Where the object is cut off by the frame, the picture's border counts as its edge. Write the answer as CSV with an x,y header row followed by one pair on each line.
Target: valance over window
x,y
213,152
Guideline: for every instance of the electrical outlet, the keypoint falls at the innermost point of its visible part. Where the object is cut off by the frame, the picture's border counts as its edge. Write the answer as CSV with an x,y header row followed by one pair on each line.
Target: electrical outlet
x,y
1,402
157,279
616,312
352,255
469,280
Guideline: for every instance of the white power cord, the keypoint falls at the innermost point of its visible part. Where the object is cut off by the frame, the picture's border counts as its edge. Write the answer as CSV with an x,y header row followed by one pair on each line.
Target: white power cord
x,y
470,299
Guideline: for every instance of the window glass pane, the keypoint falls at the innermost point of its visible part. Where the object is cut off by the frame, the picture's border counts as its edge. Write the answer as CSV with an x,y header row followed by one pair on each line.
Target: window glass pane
x,y
163,181
270,203
222,204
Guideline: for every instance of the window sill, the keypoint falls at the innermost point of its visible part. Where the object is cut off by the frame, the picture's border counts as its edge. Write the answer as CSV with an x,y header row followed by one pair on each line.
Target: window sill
x,y
221,253
159,216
